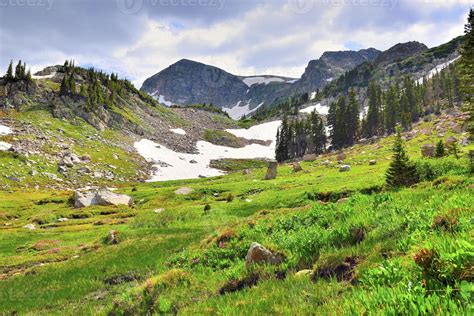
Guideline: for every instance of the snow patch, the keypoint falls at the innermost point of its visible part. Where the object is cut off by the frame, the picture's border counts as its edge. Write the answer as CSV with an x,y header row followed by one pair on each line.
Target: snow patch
x,y
5,130
250,81
179,131
4,146
329,79
265,131
324,110
175,166
161,99
436,70
45,76
237,111
312,96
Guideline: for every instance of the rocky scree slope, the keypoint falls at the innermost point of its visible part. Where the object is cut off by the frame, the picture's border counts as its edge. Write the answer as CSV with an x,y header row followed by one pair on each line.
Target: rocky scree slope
x,y
61,141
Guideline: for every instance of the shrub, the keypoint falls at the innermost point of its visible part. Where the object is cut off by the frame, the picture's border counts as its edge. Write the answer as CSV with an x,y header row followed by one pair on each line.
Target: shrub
x,y
430,169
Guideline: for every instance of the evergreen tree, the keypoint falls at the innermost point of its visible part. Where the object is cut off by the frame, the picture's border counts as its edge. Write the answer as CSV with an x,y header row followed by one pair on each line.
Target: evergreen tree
x,y
18,71
373,113
352,119
391,110
440,152
401,171
467,70
281,150
454,150
28,76
9,75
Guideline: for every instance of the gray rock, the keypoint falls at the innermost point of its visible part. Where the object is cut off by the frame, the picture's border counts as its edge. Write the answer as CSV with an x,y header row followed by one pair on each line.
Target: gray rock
x,y
372,162
183,191
105,198
344,168
272,170
450,140
297,167
101,197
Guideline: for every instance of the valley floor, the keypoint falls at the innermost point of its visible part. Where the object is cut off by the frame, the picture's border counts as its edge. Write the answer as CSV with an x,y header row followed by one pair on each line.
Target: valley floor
x,y
348,245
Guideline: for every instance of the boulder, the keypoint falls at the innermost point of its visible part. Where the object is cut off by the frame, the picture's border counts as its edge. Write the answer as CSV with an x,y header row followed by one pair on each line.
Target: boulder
x,y
193,161
84,199
427,150
372,162
309,157
245,172
427,132
297,167
456,128
450,140
259,254
326,163
344,168
101,197
271,171
183,191
341,157
105,198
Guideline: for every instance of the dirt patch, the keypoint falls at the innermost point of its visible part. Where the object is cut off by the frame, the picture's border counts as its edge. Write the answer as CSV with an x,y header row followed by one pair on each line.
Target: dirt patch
x,y
343,271
238,285
123,278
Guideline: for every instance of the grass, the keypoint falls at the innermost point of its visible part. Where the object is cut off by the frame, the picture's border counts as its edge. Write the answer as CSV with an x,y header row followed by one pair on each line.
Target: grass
x,y
178,260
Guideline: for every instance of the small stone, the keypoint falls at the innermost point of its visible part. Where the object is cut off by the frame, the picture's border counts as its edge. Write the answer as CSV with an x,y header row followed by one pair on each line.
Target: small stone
x,y
30,226
344,168
183,191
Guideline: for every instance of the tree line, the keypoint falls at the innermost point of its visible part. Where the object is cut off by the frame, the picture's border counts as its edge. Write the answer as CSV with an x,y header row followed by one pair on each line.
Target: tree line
x,y
19,74
297,137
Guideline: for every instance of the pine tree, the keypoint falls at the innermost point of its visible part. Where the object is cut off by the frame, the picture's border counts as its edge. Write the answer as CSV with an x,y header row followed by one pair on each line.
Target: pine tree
x,y
18,71
454,150
373,113
352,119
467,70
63,90
391,110
440,152
401,171
9,75
28,76
281,150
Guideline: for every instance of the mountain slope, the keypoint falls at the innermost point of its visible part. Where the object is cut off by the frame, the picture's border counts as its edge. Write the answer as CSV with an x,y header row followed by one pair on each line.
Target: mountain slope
x,y
187,82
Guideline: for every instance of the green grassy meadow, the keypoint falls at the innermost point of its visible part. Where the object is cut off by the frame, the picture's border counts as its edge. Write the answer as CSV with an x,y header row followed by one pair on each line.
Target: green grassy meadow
x,y
406,251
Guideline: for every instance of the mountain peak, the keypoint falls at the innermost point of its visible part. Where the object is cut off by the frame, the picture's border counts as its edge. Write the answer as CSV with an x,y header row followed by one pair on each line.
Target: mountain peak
x,y
400,51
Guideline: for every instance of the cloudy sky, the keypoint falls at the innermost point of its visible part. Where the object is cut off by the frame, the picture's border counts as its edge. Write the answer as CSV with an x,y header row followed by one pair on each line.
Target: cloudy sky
x,y
137,38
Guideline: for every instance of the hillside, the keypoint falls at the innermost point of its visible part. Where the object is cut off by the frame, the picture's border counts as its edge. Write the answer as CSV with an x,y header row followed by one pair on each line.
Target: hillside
x,y
64,140
337,238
